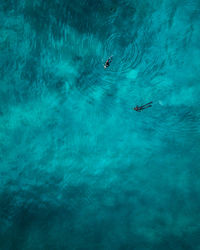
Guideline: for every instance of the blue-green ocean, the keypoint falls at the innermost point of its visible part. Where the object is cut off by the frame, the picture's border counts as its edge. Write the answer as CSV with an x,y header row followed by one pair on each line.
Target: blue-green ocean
x,y
80,169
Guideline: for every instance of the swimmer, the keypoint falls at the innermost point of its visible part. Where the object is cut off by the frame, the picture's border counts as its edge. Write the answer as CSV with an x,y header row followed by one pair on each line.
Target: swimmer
x,y
139,109
107,63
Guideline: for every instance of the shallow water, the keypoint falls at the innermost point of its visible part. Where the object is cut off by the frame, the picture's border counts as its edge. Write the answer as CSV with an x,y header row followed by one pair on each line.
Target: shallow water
x,y
80,169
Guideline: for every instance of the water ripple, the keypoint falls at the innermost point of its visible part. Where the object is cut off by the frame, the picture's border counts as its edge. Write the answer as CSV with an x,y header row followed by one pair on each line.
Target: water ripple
x,y
126,54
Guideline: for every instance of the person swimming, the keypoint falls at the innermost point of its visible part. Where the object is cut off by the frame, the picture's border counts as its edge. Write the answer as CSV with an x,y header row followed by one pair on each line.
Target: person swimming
x,y
145,106
107,63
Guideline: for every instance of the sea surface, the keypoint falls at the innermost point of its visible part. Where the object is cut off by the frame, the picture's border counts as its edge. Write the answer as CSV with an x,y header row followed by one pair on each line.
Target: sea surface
x,y
79,168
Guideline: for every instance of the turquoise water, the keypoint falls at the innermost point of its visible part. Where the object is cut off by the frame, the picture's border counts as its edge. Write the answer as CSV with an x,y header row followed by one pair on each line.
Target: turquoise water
x,y
80,169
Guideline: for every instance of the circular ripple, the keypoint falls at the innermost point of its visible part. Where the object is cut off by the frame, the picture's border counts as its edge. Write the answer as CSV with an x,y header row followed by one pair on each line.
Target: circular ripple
x,y
126,55
93,80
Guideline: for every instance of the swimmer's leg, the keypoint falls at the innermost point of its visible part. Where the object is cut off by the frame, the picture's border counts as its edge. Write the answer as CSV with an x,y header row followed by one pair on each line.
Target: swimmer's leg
x,y
147,107
146,104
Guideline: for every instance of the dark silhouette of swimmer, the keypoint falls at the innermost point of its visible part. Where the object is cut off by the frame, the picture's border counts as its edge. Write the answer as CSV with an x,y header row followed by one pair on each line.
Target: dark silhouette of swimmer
x,y
107,63
139,109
